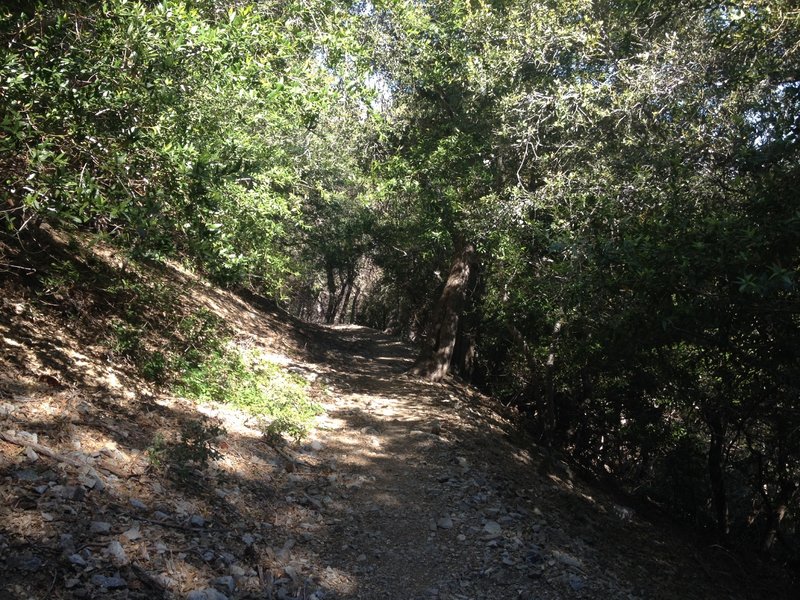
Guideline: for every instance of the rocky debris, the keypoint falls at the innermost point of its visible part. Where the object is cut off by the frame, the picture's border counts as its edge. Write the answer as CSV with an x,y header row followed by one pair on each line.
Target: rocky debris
x,y
444,523
77,560
492,529
206,594
26,562
101,527
197,521
114,582
117,553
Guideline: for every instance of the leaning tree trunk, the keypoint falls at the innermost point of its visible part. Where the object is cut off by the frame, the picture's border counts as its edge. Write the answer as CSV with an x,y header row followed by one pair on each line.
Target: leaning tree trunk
x,y
434,361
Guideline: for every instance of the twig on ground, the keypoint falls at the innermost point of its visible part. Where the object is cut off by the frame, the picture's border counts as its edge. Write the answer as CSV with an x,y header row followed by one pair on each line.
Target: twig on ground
x,y
45,451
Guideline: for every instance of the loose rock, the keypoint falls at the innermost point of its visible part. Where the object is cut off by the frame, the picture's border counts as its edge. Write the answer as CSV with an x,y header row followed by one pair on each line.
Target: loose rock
x,y
445,523
492,528
110,583
101,527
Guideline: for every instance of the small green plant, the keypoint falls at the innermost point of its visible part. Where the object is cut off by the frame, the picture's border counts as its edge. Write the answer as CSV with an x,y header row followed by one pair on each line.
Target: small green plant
x,y
61,279
195,449
295,428
197,445
154,367
201,334
127,340
156,450
246,380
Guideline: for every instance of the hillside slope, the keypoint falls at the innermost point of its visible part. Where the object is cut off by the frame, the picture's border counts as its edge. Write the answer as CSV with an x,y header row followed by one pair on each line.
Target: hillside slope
x,y
402,490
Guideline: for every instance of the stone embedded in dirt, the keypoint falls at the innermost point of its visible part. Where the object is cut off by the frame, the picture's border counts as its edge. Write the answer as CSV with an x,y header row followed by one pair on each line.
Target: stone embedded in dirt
x,y
165,581
133,533
26,562
110,583
71,583
206,594
315,502
237,571
248,539
492,528
138,504
566,559
117,552
91,483
66,542
534,555
101,527
26,436
576,583
225,582
197,521
77,560
445,523
160,516
27,475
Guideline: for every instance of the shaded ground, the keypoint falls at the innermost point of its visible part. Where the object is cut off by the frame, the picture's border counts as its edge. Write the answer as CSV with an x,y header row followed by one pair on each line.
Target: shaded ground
x,y
404,490
448,507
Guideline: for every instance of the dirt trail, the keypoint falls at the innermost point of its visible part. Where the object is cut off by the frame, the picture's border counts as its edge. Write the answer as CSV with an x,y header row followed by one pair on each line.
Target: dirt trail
x,y
438,503
405,490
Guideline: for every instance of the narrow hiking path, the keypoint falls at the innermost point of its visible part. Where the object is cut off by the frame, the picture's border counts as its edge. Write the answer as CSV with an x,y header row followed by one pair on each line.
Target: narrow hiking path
x,y
404,490
431,499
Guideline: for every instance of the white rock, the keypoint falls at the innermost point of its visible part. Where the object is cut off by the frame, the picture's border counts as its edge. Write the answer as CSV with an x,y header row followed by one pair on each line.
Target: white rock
x,y
133,533
237,571
117,552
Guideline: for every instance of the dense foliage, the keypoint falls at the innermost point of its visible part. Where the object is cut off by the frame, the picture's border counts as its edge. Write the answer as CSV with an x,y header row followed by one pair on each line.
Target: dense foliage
x,y
612,186
175,126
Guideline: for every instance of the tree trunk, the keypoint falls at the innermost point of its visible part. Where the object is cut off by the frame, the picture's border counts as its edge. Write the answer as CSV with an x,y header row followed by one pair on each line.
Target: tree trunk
x,y
547,405
774,519
330,312
434,361
345,301
353,309
716,425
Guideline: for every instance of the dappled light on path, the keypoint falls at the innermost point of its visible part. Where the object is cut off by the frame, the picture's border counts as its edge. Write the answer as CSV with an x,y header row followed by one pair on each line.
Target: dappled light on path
x,y
404,489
